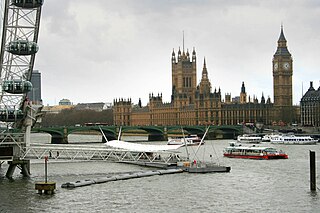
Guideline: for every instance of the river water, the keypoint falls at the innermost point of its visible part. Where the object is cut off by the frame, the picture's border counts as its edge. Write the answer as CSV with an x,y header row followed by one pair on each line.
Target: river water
x,y
251,186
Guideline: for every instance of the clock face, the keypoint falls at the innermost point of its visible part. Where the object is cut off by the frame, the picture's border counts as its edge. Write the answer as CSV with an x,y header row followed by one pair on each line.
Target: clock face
x,y
286,65
275,66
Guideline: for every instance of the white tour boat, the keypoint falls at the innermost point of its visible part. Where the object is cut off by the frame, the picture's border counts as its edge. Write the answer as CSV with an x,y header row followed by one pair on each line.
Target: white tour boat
x,y
249,138
292,139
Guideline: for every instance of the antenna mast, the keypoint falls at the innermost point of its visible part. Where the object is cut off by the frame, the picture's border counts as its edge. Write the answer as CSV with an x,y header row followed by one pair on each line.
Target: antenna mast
x,y
183,40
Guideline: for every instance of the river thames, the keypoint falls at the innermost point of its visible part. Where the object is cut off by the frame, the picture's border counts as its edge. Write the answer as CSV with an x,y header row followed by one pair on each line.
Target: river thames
x,y
251,186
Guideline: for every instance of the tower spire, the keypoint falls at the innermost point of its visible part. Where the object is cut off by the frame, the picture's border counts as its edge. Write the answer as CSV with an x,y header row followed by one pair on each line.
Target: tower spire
x,y
182,40
281,37
204,70
205,85
282,45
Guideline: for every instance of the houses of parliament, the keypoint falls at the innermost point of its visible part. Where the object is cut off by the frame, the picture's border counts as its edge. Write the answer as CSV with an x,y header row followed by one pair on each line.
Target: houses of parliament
x,y
193,104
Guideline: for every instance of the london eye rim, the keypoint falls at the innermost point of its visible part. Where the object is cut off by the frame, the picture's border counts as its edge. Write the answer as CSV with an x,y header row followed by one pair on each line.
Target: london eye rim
x,y
16,24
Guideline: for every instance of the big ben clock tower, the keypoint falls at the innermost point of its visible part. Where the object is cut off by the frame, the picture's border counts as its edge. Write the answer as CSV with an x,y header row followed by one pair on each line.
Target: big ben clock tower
x,y
282,81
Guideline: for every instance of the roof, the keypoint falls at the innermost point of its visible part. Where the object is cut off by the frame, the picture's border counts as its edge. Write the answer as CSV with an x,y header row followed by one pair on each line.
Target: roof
x,y
64,100
281,37
311,95
256,148
141,147
282,47
283,51
57,108
94,106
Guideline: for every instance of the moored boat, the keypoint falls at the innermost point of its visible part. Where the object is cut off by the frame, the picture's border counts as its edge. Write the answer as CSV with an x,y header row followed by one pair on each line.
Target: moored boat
x,y
249,138
194,165
293,140
236,150
191,140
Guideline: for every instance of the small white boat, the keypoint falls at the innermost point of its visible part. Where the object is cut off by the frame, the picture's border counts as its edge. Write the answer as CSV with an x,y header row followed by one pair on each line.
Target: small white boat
x,y
191,140
249,138
293,140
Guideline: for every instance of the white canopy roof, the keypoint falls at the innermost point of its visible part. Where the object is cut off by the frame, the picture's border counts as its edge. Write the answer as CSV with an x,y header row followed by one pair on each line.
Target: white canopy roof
x,y
141,147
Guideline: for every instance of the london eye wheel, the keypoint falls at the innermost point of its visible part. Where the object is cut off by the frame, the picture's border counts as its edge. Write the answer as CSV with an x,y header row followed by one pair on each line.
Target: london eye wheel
x,y
20,30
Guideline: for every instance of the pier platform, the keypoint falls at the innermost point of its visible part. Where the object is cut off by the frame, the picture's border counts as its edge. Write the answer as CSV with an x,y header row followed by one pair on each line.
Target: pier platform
x,y
125,176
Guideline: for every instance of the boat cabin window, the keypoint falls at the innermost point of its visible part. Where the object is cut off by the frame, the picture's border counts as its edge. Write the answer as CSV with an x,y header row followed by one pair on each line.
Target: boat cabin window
x,y
270,150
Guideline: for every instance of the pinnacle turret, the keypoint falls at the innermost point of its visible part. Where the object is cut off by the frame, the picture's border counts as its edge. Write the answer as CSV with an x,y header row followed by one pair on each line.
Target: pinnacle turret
x,y
243,88
204,70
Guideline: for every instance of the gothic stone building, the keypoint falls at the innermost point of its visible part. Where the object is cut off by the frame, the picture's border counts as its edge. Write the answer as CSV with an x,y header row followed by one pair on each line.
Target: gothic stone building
x,y
310,107
193,104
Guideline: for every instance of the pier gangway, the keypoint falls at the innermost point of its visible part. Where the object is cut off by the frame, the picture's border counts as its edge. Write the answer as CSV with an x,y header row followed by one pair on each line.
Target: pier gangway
x,y
73,152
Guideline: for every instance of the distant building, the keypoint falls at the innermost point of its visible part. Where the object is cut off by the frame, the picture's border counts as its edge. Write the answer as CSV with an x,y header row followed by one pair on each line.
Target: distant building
x,y
193,104
65,102
310,107
35,94
56,109
93,106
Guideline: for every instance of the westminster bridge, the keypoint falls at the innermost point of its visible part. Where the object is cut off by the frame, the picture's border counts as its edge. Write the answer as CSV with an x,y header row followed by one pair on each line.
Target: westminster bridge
x,y
59,135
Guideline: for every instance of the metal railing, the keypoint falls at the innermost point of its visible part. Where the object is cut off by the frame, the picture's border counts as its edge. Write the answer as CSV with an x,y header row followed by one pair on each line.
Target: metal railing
x,y
82,152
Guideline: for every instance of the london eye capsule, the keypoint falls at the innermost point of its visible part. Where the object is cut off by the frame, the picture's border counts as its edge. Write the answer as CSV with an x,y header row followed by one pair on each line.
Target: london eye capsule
x,y
16,86
22,47
11,115
27,3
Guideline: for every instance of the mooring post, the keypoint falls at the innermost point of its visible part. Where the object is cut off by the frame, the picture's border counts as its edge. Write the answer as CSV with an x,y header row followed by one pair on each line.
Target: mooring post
x,y
46,169
46,187
313,185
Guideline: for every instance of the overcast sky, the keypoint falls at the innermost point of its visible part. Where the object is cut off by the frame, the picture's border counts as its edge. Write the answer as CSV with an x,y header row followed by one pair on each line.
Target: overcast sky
x,y
99,50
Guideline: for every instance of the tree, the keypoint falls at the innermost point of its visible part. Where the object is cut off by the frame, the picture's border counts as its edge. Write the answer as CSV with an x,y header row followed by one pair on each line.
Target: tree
x,y
71,117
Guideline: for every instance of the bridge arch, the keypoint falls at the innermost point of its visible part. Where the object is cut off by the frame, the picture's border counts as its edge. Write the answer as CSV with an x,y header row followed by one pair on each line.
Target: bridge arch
x,y
57,135
109,131
225,132
60,135
155,133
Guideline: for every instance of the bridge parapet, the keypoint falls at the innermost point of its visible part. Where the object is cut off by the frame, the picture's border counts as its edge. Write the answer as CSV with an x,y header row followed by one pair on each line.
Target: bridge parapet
x,y
59,135
155,133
